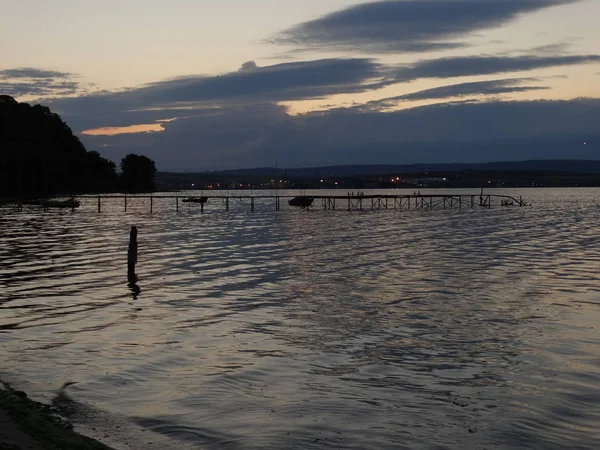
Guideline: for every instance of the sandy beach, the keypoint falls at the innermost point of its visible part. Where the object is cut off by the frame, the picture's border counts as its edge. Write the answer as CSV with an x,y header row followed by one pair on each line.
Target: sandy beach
x,y
29,425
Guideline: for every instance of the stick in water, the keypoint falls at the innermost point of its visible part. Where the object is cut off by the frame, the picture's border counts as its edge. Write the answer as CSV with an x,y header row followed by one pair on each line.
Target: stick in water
x,y
132,255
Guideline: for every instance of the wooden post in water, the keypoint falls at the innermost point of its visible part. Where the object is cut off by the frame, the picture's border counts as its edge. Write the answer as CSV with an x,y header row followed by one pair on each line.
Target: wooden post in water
x,y
177,203
20,174
252,204
98,203
151,203
125,202
132,255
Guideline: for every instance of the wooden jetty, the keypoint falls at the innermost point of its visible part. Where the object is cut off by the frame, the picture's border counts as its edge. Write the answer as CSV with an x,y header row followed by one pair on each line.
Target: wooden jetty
x,y
349,202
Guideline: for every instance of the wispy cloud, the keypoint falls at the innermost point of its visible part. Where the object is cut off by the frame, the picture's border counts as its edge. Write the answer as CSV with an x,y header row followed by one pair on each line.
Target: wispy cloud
x,y
478,88
30,72
407,25
131,129
29,81
289,81
486,65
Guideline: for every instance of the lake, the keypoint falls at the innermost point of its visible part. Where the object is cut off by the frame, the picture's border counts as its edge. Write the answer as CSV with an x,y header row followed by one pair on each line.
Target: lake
x,y
421,329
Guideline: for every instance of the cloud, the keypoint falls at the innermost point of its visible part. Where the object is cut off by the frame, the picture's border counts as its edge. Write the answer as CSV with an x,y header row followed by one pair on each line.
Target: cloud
x,y
558,48
252,84
111,131
484,131
249,65
407,25
29,81
287,81
39,88
478,88
220,138
249,85
256,136
29,72
270,84
463,66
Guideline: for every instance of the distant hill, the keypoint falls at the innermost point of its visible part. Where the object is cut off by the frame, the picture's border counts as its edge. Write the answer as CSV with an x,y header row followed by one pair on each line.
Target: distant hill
x,y
565,166
40,155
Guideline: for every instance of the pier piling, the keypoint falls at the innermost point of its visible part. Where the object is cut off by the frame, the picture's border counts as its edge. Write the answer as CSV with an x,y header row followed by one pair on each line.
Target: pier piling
x,y
328,202
132,255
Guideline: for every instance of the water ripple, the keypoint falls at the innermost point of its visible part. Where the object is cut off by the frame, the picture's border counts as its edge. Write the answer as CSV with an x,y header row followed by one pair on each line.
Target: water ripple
x,y
390,329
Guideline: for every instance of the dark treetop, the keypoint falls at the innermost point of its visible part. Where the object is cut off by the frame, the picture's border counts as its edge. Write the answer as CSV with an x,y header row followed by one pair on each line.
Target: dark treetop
x,y
39,155
137,174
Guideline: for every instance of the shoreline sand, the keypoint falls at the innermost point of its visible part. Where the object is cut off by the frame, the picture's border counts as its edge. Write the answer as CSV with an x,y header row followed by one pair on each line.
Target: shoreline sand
x,y
30,425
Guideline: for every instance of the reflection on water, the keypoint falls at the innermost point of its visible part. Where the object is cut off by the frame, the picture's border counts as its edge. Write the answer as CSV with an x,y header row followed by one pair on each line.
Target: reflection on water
x,y
388,329
134,288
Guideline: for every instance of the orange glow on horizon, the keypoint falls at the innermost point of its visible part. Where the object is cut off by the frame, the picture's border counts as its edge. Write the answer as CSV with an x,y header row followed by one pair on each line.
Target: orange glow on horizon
x,y
112,131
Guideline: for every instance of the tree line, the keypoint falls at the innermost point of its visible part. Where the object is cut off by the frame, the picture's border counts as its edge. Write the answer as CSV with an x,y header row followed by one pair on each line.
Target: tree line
x,y
40,156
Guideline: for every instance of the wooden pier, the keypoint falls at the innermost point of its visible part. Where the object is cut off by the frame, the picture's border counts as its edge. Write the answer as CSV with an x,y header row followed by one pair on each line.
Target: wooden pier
x,y
349,202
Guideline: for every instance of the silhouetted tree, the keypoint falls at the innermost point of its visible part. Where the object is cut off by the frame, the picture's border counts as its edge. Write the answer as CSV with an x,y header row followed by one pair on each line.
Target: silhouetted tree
x,y
40,155
137,173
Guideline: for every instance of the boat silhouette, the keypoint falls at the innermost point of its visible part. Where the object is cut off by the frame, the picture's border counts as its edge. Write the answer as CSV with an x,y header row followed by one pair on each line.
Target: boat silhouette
x,y
195,200
70,203
301,201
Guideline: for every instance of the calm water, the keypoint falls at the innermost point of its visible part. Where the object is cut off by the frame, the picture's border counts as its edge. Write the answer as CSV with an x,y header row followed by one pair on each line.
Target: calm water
x,y
311,330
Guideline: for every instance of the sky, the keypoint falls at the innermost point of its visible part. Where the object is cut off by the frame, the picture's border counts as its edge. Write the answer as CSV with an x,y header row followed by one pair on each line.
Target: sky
x,y
201,85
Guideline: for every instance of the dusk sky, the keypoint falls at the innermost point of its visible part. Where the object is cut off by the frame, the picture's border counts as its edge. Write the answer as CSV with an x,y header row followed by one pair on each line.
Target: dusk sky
x,y
205,85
